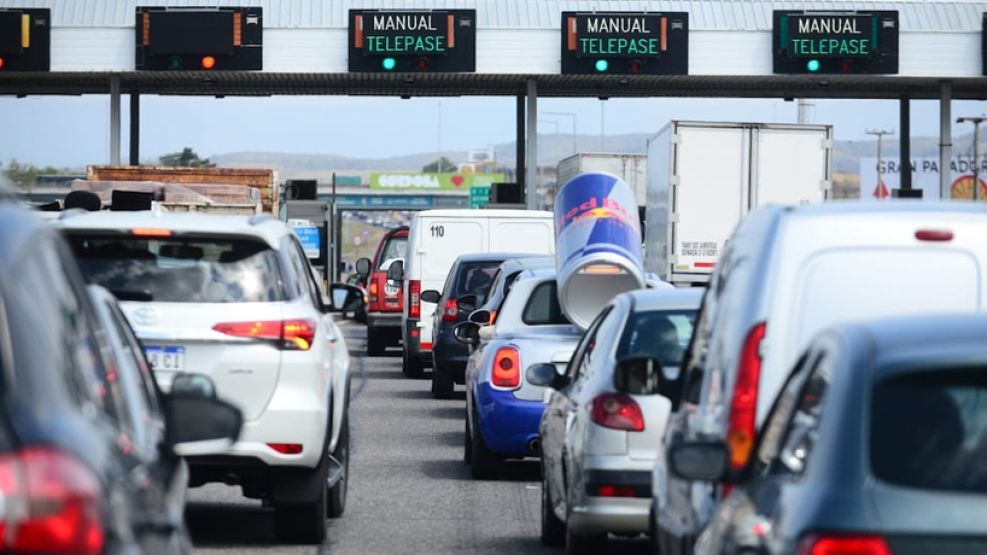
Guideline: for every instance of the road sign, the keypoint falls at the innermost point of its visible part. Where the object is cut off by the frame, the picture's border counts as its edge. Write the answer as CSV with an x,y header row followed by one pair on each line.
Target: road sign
x,y
625,43
25,43
432,41
861,42
310,238
479,196
199,39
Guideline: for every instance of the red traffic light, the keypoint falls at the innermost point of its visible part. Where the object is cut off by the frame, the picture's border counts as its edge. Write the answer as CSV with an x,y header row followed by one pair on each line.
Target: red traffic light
x,y
208,62
635,66
421,64
1,63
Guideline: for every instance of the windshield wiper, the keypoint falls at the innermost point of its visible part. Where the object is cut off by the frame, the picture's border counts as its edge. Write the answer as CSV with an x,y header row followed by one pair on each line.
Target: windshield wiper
x,y
132,294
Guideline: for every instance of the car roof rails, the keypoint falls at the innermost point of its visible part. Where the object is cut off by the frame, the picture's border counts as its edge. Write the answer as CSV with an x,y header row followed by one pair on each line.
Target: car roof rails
x,y
257,219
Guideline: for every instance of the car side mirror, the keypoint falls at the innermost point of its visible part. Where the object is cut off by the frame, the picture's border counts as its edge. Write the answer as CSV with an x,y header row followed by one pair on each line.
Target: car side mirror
x,y
395,272
344,298
197,423
363,267
480,316
640,375
545,375
467,333
430,296
467,303
699,461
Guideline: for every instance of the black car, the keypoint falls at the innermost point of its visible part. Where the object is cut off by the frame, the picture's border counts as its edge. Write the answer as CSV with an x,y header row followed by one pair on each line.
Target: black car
x,y
465,290
877,444
88,459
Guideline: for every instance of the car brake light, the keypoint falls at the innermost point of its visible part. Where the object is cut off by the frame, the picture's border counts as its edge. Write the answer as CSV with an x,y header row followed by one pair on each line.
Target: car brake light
x,y
507,368
616,411
414,298
289,334
450,312
743,406
51,504
936,235
615,491
372,290
818,544
286,448
150,232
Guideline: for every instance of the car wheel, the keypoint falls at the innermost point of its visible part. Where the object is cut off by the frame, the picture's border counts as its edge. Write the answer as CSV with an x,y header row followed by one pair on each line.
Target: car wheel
x,y
552,528
442,385
305,522
467,441
336,499
412,367
375,343
484,463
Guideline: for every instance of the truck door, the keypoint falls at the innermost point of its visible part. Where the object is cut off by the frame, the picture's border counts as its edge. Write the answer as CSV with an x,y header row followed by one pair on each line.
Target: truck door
x,y
791,165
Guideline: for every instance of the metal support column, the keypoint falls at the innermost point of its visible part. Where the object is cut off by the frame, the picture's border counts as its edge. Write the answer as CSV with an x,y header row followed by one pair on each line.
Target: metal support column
x,y
115,120
135,129
945,138
519,167
531,158
905,142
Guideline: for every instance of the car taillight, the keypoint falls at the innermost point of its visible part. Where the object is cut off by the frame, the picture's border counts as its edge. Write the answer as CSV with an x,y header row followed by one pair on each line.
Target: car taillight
x,y
450,312
414,298
51,504
295,335
506,368
615,491
743,405
286,448
823,544
372,290
616,411
493,317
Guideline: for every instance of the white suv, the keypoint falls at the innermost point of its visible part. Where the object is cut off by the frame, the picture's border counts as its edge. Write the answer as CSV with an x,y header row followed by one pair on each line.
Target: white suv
x,y
234,298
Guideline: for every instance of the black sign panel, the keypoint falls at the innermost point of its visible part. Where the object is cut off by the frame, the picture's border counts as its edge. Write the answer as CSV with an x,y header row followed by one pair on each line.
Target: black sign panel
x,y
431,41
625,43
199,39
983,43
835,42
25,40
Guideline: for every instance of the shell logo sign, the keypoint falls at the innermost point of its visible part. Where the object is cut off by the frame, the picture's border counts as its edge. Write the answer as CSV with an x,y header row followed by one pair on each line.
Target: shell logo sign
x,y
962,188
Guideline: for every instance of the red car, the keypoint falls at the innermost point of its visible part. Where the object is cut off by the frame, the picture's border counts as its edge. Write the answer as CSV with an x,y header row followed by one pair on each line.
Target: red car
x,y
385,299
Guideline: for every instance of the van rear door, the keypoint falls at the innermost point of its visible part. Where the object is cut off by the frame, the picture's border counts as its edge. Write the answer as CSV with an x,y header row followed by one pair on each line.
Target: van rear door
x,y
442,240
527,235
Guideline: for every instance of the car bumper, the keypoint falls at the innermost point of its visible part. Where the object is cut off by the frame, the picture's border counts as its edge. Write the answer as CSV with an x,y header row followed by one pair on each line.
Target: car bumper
x,y
509,425
411,336
450,354
594,514
384,320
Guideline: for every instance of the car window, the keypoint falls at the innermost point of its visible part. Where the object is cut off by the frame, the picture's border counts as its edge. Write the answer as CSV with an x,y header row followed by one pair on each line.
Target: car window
x,y
543,307
300,267
694,357
584,350
394,248
663,334
773,431
928,430
475,278
185,269
803,427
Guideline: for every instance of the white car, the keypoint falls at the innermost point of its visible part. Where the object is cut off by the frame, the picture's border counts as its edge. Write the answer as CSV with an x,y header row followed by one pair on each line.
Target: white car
x,y
602,427
234,298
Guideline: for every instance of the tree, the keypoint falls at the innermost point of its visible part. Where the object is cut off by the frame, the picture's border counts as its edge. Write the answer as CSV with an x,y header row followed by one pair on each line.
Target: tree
x,y
443,164
187,158
25,175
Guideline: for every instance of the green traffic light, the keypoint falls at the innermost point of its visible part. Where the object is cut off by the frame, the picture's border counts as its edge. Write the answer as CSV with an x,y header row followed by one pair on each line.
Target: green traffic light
x,y
389,63
602,65
812,65
175,62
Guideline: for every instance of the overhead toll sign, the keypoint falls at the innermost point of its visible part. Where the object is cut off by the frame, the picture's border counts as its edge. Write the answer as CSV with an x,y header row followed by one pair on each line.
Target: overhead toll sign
x,y
625,43
835,42
25,40
199,39
437,41
983,43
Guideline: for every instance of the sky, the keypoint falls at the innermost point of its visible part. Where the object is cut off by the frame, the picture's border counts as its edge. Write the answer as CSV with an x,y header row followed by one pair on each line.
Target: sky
x,y
73,131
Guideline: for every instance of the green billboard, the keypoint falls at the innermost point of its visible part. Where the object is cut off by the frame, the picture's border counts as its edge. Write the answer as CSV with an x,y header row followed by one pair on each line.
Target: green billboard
x,y
420,181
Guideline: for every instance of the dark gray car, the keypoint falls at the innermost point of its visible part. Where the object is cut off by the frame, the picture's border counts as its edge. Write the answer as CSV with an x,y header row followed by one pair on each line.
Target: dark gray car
x,y
876,444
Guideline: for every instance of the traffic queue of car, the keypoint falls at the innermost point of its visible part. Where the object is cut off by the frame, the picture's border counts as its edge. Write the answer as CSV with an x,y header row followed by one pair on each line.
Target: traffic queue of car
x,y
825,393
145,352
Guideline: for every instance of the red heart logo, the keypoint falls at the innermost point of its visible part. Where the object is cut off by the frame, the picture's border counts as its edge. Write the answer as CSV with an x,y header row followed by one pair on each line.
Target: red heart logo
x,y
457,180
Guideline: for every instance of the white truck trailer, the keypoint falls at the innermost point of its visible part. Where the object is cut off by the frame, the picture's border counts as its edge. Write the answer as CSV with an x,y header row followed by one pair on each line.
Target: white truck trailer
x,y
704,177
632,168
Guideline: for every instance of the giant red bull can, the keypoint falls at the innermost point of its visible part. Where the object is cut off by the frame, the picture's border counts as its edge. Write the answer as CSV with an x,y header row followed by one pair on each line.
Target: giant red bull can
x,y
597,244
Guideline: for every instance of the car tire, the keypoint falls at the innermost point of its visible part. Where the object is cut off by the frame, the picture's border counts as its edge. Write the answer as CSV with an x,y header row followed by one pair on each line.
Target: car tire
x,y
553,531
412,367
467,441
336,498
484,463
305,523
442,386
376,343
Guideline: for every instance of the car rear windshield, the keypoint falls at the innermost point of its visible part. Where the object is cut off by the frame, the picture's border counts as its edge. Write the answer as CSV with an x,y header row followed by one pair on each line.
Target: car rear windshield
x,y
475,278
182,269
543,307
659,333
394,248
929,431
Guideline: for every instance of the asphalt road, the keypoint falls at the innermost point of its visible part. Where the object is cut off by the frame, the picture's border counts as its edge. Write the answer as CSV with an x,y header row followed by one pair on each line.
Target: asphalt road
x,y
409,491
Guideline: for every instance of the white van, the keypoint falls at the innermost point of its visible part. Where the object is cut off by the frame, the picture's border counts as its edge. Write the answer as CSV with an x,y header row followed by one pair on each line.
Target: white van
x,y
436,238
785,275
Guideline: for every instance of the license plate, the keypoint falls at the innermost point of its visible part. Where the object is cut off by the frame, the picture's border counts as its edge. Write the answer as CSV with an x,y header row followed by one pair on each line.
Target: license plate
x,y
165,358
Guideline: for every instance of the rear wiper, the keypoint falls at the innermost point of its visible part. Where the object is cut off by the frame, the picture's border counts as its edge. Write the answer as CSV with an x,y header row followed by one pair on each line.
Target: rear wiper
x,y
132,295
